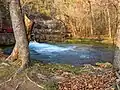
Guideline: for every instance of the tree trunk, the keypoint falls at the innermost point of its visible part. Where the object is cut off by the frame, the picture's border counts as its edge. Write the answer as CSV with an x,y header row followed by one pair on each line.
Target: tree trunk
x,y
109,21
117,52
21,49
0,21
92,21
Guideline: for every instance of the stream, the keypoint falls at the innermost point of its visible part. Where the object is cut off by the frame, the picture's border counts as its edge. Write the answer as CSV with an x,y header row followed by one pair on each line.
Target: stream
x,y
73,54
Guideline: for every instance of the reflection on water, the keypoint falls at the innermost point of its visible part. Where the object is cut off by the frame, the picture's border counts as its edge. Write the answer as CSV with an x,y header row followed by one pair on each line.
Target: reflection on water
x,y
68,54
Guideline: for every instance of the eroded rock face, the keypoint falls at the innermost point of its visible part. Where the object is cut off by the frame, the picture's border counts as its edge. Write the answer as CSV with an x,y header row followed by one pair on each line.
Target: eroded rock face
x,y
7,39
49,30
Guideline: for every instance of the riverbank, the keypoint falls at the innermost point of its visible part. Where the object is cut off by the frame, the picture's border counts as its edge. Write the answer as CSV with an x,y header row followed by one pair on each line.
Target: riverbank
x,y
42,76
107,43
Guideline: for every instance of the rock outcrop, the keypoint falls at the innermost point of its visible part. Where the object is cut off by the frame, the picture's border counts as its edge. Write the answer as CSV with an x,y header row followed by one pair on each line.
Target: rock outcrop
x,y
7,39
45,30
49,31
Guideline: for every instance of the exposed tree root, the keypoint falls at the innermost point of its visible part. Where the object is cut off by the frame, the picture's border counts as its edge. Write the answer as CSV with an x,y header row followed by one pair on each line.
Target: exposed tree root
x,y
6,81
118,87
18,85
14,55
35,82
19,70
22,67
11,78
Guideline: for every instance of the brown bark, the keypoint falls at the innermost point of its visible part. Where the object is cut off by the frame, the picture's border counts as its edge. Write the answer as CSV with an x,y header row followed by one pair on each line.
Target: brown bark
x,y
29,26
0,21
21,50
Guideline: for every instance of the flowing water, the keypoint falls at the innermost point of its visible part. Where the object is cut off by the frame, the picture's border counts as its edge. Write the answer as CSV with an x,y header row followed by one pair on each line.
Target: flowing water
x,y
68,53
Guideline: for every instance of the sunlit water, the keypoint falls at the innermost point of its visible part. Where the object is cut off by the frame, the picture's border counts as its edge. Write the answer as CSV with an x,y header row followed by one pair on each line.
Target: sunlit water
x,y
68,54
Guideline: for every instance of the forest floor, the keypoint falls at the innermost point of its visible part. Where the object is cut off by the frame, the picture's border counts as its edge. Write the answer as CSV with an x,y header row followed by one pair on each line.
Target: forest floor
x,y
42,76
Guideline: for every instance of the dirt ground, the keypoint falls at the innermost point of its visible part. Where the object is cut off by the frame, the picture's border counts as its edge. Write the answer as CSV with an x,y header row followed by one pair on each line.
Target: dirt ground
x,y
57,77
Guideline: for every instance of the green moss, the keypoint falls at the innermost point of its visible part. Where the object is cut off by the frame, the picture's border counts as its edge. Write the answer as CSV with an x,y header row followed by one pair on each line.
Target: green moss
x,y
90,42
49,69
51,85
6,71
73,41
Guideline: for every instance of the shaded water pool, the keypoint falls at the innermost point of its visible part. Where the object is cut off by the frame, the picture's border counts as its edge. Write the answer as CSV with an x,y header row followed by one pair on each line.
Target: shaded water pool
x,y
68,53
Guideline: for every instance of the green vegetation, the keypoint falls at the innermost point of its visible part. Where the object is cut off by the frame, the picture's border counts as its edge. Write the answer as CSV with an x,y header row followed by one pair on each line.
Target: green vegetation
x,y
49,69
91,42
45,72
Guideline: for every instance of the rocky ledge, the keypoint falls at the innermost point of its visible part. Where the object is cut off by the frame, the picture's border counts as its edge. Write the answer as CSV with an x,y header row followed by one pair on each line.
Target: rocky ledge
x,y
7,39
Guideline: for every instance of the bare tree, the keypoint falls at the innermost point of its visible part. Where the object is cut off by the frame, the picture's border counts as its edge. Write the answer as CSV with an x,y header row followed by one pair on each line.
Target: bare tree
x,y
21,50
109,20
92,17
